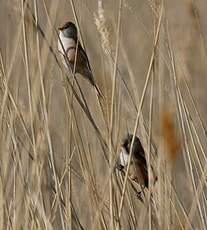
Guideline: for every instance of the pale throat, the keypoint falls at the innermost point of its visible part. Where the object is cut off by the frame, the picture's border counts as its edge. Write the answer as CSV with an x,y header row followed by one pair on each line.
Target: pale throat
x,y
124,157
66,43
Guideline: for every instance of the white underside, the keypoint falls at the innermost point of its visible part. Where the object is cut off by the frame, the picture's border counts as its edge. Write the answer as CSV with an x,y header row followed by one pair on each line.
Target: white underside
x,y
66,43
124,157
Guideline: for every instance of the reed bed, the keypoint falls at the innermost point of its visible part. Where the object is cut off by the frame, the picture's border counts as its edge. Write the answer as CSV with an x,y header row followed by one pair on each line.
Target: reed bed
x,y
59,142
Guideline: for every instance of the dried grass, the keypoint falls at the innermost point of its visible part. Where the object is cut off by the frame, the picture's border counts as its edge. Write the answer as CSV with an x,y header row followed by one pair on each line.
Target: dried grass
x,y
59,143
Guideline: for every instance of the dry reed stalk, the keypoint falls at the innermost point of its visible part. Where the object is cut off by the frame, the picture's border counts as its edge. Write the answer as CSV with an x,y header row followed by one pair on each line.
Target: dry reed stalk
x,y
139,109
30,153
180,106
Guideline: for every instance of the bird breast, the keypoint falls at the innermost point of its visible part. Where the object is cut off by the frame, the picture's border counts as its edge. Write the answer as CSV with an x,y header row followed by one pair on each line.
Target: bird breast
x,y
136,170
68,46
124,157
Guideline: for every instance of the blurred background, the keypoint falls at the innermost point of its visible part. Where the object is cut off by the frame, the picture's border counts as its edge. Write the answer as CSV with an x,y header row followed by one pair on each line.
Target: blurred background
x,y
59,144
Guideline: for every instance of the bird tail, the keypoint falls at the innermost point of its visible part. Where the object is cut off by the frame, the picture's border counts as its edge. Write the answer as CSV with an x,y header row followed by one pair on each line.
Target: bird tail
x,y
87,73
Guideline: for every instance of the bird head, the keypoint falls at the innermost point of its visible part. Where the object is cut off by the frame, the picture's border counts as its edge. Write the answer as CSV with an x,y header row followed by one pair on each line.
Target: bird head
x,y
124,152
69,30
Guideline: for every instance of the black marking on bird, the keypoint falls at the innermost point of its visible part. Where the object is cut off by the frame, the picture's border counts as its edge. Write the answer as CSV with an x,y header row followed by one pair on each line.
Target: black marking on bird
x,y
138,171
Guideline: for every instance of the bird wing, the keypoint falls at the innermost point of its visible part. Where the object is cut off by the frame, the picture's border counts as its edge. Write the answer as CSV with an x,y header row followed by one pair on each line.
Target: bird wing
x,y
83,56
137,149
83,66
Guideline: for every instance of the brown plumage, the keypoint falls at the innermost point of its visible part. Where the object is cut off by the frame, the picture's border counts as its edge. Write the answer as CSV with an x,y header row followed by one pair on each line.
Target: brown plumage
x,y
138,165
70,46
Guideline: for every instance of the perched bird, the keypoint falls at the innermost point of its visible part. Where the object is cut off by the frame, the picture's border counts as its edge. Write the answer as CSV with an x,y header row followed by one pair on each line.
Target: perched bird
x,y
76,55
138,165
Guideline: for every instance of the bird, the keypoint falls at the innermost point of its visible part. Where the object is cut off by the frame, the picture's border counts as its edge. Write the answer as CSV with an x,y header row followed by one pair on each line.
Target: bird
x,y
70,49
138,171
